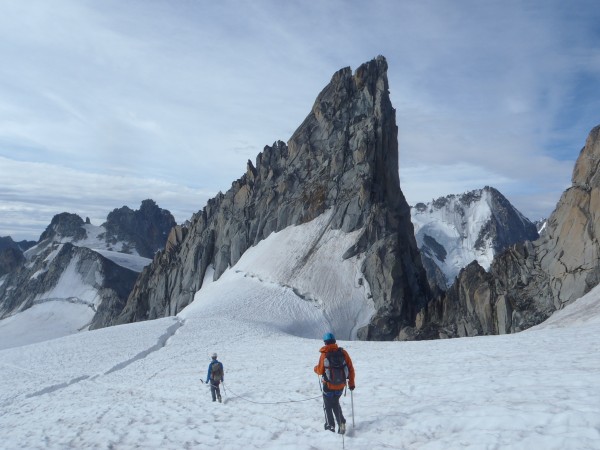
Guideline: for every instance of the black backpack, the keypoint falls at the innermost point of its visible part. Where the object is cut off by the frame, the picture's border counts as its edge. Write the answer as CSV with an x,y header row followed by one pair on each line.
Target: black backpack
x,y
336,370
216,371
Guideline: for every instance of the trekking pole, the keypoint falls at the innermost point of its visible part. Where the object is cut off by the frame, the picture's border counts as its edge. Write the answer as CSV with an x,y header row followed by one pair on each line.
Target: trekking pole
x,y
352,401
321,388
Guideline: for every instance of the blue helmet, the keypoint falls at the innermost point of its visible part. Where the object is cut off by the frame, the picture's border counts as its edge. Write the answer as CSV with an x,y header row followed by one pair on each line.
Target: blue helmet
x,y
329,337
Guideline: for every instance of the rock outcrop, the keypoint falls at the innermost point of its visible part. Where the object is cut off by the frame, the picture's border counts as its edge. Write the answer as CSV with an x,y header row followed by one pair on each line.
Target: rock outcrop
x,y
65,225
343,157
10,259
531,280
7,242
146,228
11,254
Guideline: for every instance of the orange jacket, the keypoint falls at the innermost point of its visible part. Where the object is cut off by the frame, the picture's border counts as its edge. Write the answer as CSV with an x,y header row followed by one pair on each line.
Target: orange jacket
x,y
320,368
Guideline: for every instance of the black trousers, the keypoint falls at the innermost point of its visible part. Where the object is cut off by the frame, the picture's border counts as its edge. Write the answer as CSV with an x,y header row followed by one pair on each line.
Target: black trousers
x,y
331,402
214,390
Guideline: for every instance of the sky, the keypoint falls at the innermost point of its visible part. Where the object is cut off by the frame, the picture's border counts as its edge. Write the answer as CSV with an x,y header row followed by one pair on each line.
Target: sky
x,y
105,104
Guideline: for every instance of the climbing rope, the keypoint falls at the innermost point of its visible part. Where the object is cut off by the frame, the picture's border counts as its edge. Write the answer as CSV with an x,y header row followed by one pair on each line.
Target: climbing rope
x,y
269,403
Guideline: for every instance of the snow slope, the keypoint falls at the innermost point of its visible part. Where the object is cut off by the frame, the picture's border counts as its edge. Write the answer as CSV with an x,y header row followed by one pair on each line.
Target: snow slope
x,y
307,260
94,240
139,385
49,320
67,308
456,227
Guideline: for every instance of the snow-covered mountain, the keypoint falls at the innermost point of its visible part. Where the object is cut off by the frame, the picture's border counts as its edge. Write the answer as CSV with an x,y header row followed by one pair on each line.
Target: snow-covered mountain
x,y
70,229
454,230
78,274
139,232
140,385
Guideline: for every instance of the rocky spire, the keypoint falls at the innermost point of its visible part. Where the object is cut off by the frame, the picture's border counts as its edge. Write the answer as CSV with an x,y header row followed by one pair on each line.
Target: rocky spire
x,y
570,249
344,157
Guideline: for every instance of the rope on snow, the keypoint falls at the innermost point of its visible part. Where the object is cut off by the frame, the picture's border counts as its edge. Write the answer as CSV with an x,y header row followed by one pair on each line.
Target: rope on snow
x,y
271,403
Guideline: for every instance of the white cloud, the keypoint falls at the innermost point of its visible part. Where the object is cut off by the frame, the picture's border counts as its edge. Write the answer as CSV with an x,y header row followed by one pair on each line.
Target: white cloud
x,y
38,191
426,183
183,93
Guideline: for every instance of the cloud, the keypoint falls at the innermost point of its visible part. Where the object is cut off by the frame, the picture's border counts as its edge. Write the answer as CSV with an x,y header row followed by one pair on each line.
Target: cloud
x,y
183,93
35,192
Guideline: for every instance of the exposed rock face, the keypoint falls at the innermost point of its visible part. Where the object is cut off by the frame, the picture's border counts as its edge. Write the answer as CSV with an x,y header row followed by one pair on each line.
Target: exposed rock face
x,y
10,259
35,282
531,280
7,242
570,250
66,225
147,228
11,254
454,230
343,157
438,280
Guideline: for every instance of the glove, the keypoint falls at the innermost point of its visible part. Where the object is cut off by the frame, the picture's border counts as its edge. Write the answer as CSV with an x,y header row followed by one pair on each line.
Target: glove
x,y
352,388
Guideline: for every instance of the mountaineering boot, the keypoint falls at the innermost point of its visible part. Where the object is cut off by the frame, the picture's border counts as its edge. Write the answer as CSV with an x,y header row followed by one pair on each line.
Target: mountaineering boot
x,y
342,428
219,399
330,427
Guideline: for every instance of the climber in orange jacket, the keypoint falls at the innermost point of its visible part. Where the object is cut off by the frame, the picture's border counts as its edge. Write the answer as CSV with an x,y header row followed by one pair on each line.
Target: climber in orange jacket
x,y
335,367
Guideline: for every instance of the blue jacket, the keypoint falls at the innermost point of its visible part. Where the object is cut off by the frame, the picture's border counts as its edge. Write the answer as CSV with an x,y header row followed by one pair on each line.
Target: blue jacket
x,y
214,361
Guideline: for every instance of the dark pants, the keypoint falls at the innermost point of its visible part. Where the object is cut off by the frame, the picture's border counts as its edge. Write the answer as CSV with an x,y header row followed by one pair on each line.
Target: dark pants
x,y
331,401
214,390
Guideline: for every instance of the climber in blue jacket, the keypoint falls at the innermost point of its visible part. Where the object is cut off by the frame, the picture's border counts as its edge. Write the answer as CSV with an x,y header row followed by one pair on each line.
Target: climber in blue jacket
x,y
215,375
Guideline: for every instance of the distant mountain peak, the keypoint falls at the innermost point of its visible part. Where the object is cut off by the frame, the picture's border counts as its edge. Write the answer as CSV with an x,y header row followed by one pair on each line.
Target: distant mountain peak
x,y
66,225
455,229
146,229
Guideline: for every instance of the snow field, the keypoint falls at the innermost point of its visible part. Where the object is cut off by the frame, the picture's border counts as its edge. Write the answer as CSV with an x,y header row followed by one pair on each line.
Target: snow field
x,y
532,390
51,320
